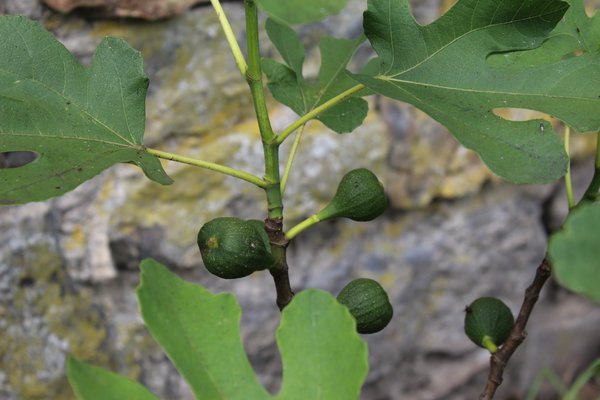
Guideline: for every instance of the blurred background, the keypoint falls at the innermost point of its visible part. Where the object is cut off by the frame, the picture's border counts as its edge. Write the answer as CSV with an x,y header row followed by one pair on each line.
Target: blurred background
x,y
453,232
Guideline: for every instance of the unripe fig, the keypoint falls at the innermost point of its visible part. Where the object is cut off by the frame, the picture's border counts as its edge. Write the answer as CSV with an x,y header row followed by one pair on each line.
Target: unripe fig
x,y
488,322
260,228
359,196
368,303
233,248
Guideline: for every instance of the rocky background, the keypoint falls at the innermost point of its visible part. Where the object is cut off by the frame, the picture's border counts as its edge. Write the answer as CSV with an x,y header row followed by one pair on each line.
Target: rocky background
x,y
453,232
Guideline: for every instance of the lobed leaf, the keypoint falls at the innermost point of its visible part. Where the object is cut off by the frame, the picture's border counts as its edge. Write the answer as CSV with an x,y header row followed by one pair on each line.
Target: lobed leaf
x,y
575,251
94,383
575,34
301,12
79,121
289,87
442,68
200,332
323,356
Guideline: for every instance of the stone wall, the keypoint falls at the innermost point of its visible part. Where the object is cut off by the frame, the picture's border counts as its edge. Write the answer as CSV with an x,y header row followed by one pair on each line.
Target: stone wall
x,y
68,266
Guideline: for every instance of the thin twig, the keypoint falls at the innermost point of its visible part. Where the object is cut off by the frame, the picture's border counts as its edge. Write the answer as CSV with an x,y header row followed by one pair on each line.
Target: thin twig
x,y
499,359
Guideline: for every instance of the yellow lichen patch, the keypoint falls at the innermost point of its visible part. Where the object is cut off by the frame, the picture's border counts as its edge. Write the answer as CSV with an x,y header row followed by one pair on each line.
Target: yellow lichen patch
x,y
464,179
197,195
144,36
394,228
388,279
46,317
348,234
76,240
134,346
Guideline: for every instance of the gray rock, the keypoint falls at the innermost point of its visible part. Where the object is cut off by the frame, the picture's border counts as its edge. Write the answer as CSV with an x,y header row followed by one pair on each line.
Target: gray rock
x,y
30,8
68,266
151,10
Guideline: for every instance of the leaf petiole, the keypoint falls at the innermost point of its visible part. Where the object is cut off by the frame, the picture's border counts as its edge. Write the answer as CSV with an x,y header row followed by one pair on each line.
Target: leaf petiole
x,y
233,44
290,161
568,182
248,177
318,110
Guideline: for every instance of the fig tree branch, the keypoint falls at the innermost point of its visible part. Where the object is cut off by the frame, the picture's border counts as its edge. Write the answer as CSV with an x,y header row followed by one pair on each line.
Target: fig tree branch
x,y
279,271
499,360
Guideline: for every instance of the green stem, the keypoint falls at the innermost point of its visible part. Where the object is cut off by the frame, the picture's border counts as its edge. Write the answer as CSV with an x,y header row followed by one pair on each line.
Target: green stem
x,y
307,223
270,147
290,161
318,110
274,221
211,166
489,344
273,189
568,182
233,44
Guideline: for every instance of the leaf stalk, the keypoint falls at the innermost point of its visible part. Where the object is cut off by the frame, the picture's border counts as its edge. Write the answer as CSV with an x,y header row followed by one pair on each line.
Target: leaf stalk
x,y
292,156
568,182
318,110
236,173
233,44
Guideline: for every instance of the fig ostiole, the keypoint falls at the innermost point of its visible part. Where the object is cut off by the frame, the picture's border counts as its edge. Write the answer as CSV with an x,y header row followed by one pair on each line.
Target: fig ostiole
x,y
233,248
488,322
368,303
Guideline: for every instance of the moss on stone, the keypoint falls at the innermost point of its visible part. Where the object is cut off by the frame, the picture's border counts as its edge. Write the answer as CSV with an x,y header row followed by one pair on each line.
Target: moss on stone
x,y
47,318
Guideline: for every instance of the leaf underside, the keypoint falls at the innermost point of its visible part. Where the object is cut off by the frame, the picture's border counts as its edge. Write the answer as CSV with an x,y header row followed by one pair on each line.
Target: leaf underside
x,y
575,252
94,383
79,121
288,85
200,332
301,12
323,356
575,34
442,68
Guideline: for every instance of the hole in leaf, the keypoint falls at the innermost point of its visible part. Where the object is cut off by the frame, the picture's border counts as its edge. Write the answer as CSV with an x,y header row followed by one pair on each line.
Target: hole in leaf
x,y
520,114
590,8
16,159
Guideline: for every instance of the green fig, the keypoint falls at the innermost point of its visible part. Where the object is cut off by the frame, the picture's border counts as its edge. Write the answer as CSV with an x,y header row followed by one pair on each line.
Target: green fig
x,y
488,322
368,303
359,196
233,248
260,228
